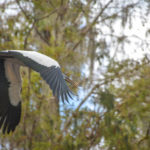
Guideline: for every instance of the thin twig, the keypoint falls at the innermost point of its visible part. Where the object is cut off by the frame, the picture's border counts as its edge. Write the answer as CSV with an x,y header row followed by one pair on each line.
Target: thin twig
x,y
41,36
27,36
146,136
47,15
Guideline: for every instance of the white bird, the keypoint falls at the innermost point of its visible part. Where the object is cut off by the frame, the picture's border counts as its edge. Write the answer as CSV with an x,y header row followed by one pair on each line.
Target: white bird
x,y
10,82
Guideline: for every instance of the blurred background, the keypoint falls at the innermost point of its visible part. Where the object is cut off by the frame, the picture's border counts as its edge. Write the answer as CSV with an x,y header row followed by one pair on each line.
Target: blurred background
x,y
103,46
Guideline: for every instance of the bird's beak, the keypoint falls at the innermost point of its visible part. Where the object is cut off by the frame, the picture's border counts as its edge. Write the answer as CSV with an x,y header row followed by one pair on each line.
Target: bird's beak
x,y
75,84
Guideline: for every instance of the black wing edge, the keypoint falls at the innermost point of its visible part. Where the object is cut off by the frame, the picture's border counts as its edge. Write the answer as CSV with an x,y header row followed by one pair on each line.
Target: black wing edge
x,y
55,80
10,118
9,114
5,54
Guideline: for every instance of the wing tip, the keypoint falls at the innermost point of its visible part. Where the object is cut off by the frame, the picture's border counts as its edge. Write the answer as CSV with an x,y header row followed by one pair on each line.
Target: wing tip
x,y
67,96
57,84
10,119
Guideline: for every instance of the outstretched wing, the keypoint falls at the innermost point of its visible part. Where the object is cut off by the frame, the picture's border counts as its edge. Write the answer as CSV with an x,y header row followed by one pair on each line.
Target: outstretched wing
x,y
48,68
10,102
55,80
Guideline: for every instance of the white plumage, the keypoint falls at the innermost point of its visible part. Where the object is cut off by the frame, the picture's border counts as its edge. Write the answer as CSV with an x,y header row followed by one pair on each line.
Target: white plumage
x,y
10,82
38,58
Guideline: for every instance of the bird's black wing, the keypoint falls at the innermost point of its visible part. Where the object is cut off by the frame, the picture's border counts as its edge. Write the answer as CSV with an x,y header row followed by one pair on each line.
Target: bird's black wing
x,y
52,75
9,114
55,80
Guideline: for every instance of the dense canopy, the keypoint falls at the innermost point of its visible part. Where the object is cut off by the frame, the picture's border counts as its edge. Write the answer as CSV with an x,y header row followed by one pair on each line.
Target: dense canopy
x,y
103,46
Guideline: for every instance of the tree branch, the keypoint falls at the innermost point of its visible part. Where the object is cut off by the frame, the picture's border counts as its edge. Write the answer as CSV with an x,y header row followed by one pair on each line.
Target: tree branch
x,y
88,28
23,11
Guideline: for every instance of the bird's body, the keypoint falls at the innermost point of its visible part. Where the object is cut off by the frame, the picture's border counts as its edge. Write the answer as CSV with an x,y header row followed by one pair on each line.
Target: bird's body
x,y
10,82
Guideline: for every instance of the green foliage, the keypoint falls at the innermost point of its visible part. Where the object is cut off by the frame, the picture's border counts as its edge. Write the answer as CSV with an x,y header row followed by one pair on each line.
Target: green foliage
x,y
106,100
79,34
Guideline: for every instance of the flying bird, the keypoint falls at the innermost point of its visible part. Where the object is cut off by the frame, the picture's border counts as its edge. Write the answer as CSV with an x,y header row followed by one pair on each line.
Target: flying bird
x,y
10,82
